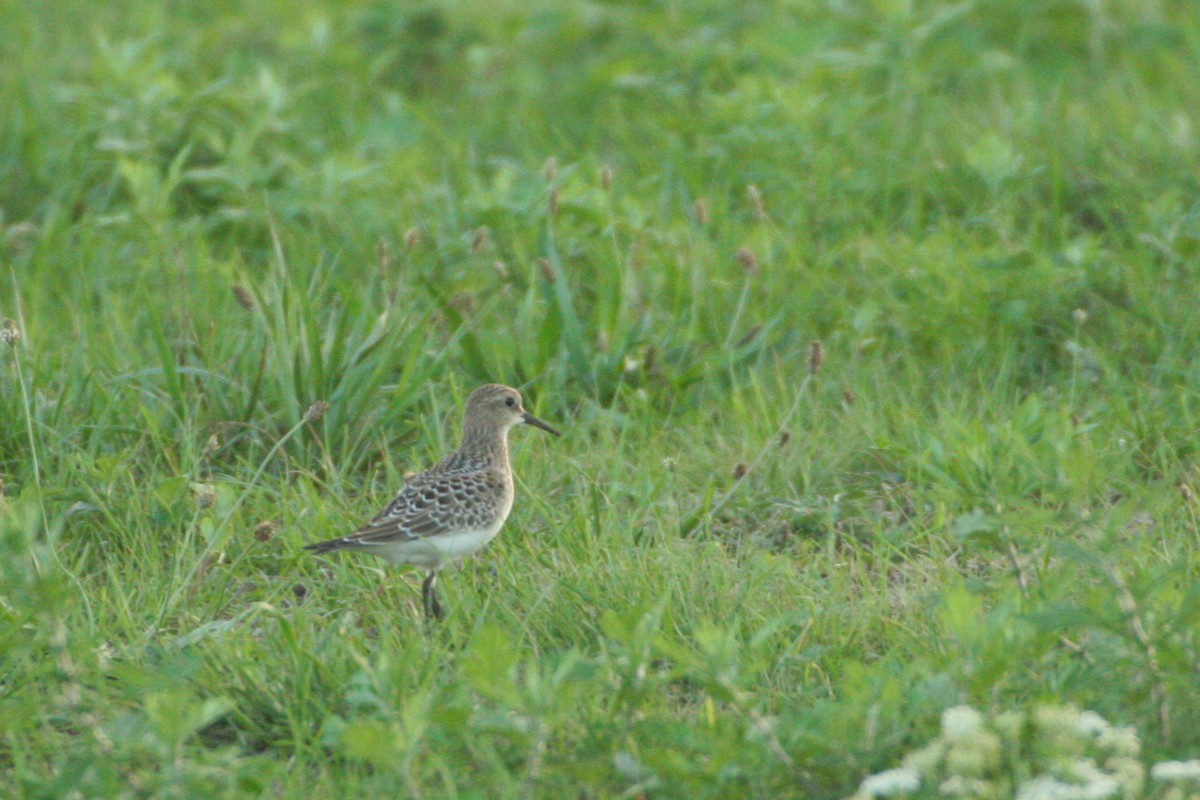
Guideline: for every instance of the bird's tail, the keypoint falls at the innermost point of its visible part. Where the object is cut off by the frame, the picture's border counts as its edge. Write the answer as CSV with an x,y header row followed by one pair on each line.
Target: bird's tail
x,y
328,546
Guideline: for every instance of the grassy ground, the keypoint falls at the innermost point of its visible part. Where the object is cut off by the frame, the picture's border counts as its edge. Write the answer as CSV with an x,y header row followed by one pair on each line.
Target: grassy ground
x,y
218,214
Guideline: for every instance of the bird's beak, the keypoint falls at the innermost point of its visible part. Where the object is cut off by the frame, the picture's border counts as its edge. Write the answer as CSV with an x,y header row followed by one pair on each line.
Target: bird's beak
x,y
530,419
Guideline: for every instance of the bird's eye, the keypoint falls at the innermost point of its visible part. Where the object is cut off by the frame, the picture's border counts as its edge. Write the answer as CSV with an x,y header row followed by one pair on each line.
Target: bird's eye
x,y
510,401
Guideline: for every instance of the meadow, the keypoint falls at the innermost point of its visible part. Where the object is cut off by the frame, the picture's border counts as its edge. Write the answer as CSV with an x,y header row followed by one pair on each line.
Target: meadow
x,y
872,327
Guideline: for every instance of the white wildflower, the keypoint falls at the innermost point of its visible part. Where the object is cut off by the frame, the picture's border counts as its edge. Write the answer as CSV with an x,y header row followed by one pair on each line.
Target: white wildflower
x,y
1089,723
1100,789
890,783
1082,770
1046,788
1083,757
958,786
1176,770
960,722
927,759
1120,741
1129,772
975,755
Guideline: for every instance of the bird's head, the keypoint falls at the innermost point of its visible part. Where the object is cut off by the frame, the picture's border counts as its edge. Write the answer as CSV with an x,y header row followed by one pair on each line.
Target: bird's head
x,y
497,407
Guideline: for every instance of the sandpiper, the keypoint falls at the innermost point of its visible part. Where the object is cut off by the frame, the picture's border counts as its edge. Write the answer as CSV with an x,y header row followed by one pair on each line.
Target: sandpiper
x,y
455,507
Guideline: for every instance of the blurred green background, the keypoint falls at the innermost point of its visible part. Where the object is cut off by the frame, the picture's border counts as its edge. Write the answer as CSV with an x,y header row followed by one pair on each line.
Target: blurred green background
x,y
736,576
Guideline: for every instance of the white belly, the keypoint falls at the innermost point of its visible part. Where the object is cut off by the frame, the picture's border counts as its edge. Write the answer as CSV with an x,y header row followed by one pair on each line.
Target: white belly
x,y
434,551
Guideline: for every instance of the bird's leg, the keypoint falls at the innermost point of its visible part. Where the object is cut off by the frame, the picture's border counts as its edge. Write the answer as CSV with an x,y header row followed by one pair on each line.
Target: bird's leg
x,y
433,609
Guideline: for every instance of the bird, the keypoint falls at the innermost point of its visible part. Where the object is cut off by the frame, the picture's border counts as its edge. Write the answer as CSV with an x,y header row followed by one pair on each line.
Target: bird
x,y
455,507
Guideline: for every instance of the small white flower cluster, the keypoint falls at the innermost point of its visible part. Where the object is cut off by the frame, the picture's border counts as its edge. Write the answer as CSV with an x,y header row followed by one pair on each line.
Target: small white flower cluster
x,y
9,332
1055,753
1177,771
890,783
1183,777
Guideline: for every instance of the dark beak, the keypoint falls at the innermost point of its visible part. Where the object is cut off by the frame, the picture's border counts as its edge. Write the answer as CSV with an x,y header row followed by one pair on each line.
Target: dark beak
x,y
530,419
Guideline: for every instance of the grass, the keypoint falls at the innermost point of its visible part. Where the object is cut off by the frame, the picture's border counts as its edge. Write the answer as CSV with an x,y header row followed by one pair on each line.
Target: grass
x,y
217,215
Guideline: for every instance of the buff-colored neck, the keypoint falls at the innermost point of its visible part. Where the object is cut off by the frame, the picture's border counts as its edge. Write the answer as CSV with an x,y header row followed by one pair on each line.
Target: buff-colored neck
x,y
485,441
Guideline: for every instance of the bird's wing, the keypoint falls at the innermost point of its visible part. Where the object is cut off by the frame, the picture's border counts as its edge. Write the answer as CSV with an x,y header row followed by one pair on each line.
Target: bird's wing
x,y
430,503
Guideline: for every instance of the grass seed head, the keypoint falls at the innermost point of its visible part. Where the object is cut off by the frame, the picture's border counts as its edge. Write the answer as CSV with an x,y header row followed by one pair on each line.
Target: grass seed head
x,y
1185,492
211,446
547,270
316,411
479,239
848,396
412,237
756,203
1079,316
501,269
748,260
816,354
383,255
750,336
10,334
635,257
243,297
606,177
205,497
20,236
552,206
739,470
701,210
550,168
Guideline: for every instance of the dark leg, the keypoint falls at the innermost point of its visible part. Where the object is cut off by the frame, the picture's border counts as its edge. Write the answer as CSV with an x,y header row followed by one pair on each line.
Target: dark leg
x,y
433,609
